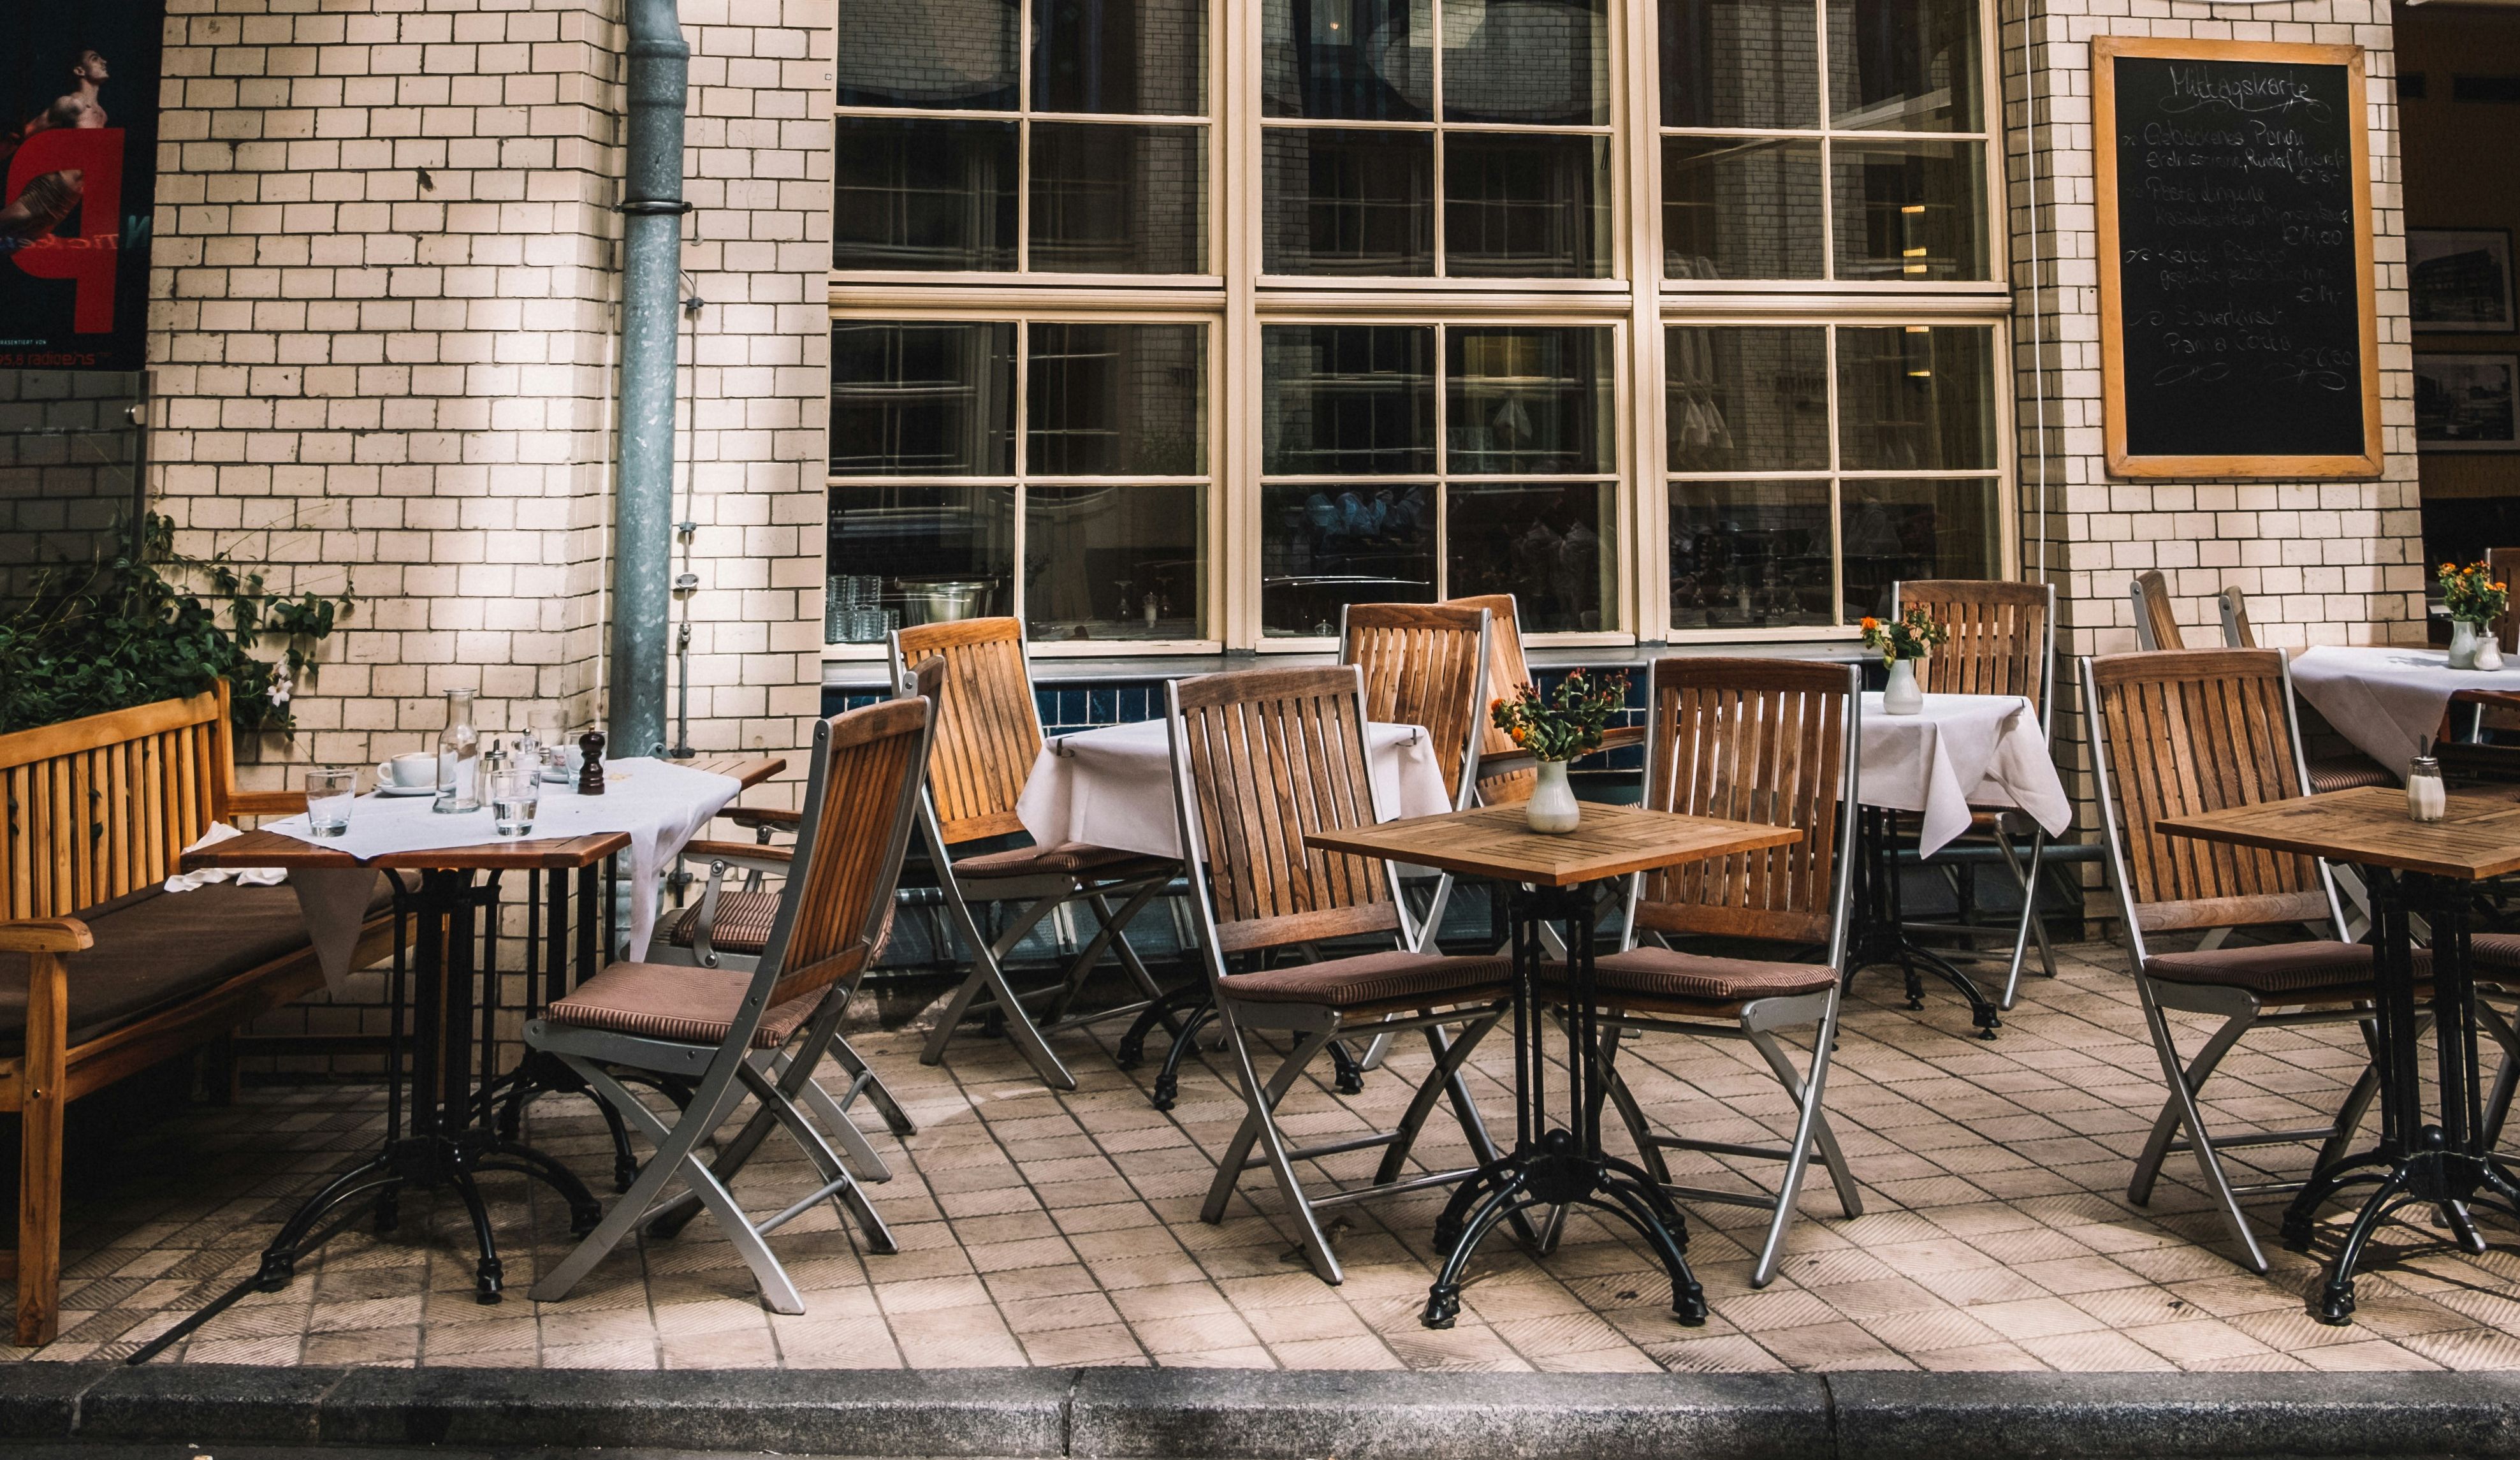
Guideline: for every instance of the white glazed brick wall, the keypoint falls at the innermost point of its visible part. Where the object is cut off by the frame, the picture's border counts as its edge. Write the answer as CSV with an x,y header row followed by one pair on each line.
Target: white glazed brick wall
x,y
384,317
2323,563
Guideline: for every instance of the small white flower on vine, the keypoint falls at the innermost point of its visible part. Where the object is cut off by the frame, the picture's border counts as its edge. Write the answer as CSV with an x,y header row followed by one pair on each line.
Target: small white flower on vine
x,y
280,685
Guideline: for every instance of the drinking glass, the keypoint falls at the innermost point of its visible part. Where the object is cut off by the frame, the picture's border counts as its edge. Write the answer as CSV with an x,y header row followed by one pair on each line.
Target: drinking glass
x,y
515,794
328,793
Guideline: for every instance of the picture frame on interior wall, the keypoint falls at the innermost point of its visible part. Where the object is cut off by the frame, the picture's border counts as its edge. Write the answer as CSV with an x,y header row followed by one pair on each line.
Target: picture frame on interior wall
x,y
2458,280
2465,402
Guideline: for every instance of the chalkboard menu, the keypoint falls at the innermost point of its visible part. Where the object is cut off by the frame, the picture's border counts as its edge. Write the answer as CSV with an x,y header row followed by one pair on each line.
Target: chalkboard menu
x,y
2236,323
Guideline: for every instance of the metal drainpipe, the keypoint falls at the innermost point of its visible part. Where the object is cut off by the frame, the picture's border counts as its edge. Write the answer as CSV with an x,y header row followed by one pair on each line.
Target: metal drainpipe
x,y
652,242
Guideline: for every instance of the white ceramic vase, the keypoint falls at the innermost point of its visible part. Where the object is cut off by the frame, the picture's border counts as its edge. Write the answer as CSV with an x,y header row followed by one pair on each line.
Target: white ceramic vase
x,y
2463,641
1553,811
1903,696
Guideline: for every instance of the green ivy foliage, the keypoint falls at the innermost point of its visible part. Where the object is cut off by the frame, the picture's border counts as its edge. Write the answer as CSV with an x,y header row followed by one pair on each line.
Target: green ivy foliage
x,y
108,635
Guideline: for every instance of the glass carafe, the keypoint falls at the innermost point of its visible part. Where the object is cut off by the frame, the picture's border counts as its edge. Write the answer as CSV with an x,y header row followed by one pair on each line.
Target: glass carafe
x,y
459,757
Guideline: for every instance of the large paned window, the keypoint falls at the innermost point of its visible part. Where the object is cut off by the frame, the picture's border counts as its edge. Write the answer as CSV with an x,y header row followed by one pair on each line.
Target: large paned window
x,y
1458,138
1406,463
1041,136
1053,471
1813,465
1824,139
1171,326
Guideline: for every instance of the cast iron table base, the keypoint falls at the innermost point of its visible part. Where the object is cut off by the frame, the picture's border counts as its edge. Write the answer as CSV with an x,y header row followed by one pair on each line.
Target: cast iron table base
x,y
1558,1167
445,1147
1880,934
2448,1164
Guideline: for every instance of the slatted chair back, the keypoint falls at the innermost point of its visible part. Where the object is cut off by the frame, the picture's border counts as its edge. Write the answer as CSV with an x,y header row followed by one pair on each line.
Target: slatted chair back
x,y
1753,740
2237,632
1508,671
988,730
2156,628
2189,731
103,805
1426,664
2001,633
860,803
1267,757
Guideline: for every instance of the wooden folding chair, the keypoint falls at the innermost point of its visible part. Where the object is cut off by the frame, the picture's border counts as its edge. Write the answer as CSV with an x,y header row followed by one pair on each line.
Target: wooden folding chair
x,y
2002,642
988,734
2155,625
1261,759
1747,739
2183,732
711,1025
1507,771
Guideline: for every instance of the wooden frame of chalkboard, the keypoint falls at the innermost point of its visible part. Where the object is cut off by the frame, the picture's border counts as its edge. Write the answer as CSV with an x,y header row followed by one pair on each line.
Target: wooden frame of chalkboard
x,y
2167,426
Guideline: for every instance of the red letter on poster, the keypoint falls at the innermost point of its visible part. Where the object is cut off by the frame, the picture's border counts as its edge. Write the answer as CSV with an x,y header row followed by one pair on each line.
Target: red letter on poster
x,y
97,152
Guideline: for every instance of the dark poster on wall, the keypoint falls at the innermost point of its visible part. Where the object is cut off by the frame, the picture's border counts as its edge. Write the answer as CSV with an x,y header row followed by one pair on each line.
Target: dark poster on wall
x,y
78,167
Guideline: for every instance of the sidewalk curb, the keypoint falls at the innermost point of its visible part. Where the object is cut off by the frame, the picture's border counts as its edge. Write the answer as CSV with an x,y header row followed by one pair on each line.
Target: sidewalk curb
x,y
1230,1414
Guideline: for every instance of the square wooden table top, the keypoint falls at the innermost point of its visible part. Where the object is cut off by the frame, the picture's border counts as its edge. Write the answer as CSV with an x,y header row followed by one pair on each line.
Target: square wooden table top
x,y
2478,838
1495,842
260,849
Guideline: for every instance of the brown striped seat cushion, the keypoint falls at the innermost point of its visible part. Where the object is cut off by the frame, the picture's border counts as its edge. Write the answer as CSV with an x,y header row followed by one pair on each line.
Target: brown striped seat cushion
x,y
2330,969
1374,978
743,922
1064,859
674,1001
2345,772
1661,974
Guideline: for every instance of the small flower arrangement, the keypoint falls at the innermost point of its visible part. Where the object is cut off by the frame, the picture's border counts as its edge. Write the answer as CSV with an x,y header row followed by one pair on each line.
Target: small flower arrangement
x,y
2472,593
1565,724
1912,635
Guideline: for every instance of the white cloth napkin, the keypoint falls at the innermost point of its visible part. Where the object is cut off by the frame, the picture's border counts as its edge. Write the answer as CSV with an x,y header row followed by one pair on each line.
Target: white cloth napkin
x,y
244,877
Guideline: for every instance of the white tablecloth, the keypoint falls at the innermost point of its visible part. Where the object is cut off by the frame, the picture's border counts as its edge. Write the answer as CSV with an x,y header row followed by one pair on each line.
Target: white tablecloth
x,y
659,806
2387,701
1113,785
1958,750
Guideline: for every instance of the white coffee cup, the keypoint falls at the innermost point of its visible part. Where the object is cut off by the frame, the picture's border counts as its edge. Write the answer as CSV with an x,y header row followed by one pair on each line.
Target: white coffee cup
x,y
410,772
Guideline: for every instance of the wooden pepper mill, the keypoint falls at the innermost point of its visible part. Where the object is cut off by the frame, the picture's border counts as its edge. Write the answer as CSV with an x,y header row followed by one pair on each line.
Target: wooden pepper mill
x,y
590,771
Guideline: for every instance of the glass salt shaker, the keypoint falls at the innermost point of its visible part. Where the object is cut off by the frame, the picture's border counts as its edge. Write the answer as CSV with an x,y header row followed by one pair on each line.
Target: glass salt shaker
x,y
2427,800
459,757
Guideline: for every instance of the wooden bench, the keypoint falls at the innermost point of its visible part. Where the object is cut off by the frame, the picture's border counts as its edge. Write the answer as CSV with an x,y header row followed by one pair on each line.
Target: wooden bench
x,y
97,811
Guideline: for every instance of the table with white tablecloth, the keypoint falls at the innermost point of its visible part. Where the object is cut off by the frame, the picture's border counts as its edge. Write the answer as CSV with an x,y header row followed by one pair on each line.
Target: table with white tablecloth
x,y
1113,785
2388,700
1958,753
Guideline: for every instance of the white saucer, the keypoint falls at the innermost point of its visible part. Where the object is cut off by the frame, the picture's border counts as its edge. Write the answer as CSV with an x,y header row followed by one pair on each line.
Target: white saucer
x,y
403,790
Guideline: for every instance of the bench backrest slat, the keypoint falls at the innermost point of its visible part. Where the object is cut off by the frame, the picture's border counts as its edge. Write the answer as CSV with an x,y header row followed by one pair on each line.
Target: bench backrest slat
x,y
98,807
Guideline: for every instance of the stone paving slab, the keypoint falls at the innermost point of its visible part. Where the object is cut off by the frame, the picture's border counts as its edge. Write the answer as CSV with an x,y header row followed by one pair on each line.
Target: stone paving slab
x,y
1060,1230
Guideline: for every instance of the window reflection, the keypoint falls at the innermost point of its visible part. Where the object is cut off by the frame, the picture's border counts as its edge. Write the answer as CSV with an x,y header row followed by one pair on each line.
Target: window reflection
x,y
1118,199
929,53
1323,547
1907,66
922,399
924,193
1751,398
1108,400
1896,529
1347,399
1522,401
1915,398
1547,543
1541,61
1739,63
1112,561
936,553
1910,211
1121,56
1740,208
1749,554
1348,60
1516,205
1342,202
